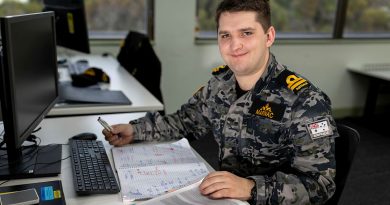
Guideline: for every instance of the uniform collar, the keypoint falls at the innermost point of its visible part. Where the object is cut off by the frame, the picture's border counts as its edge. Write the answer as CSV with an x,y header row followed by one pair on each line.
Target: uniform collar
x,y
229,80
267,75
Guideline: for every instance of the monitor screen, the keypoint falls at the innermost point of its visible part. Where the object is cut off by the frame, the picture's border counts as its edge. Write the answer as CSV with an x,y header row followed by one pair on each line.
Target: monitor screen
x,y
71,24
28,76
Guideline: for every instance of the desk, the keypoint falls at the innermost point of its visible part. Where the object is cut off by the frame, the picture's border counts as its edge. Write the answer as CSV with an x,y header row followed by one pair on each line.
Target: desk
x,y
142,100
58,130
378,74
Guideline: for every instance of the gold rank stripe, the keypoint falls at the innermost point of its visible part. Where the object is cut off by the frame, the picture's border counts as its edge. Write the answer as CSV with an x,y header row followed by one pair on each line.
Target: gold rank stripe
x,y
295,82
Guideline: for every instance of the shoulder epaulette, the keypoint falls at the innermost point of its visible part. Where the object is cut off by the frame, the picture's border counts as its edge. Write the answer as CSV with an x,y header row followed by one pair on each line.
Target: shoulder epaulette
x,y
220,69
292,81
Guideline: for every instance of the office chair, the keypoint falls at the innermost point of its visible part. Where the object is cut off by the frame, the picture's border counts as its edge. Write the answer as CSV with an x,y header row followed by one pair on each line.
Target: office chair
x,y
346,145
137,56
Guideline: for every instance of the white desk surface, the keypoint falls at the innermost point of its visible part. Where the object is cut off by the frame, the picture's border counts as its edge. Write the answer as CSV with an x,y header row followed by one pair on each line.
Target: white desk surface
x,y
380,71
142,100
59,130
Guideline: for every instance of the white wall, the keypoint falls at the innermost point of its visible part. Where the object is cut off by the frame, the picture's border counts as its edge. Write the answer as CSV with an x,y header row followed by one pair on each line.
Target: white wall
x,y
187,66
326,66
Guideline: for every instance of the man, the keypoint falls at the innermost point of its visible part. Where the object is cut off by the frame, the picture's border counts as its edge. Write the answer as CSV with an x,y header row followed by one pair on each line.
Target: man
x,y
274,128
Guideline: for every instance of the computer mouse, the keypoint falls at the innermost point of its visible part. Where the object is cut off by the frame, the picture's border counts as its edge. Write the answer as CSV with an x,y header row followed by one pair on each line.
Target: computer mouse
x,y
85,136
62,61
106,54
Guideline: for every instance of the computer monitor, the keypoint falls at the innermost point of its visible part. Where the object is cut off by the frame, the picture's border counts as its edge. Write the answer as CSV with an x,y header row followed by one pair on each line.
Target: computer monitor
x,y
71,24
28,79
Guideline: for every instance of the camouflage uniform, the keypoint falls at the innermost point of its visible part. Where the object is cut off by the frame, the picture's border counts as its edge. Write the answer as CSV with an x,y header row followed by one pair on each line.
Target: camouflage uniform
x,y
280,133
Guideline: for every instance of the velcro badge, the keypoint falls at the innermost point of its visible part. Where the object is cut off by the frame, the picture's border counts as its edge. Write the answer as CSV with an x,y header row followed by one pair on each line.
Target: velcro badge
x,y
292,81
269,110
319,129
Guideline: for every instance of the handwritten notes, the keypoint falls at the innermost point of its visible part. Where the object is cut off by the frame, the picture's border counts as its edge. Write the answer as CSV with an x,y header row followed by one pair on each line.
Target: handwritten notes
x,y
149,170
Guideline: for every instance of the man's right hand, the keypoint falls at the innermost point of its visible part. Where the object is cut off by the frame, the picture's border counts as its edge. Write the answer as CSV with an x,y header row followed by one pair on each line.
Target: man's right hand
x,y
121,134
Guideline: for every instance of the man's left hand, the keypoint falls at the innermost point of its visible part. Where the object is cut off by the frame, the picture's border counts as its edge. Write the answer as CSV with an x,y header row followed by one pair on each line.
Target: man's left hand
x,y
224,184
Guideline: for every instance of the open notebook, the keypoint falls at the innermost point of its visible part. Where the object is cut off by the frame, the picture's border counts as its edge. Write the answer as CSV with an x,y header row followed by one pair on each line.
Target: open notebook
x,y
147,170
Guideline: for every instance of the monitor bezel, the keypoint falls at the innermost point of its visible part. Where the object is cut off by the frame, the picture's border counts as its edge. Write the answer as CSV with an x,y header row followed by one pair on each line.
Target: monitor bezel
x,y
82,37
7,95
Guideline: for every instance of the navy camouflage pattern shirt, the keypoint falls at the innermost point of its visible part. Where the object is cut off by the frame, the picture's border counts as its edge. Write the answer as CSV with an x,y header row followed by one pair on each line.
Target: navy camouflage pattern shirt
x,y
280,133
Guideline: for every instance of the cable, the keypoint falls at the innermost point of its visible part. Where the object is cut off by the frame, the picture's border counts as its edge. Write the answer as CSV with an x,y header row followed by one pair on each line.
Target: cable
x,y
49,163
36,130
31,138
5,181
46,163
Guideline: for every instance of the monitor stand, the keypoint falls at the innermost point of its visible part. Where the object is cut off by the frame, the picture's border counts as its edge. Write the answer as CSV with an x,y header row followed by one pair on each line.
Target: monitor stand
x,y
37,161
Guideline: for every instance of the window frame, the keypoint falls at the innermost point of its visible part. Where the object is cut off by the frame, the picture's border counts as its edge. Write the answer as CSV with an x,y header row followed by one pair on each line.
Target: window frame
x,y
338,32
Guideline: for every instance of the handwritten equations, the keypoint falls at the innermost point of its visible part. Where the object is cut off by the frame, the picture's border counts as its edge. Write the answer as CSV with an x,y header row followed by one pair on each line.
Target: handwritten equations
x,y
149,170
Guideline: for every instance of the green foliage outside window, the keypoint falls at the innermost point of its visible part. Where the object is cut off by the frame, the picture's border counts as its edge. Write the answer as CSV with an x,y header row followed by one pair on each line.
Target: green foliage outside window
x,y
116,15
367,16
309,18
291,18
12,7
102,16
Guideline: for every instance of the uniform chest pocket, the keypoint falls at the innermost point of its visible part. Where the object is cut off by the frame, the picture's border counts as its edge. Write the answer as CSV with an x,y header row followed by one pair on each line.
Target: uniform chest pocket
x,y
268,140
264,130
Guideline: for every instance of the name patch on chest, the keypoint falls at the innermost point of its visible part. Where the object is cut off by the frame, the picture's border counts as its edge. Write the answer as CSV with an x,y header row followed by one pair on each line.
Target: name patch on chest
x,y
269,110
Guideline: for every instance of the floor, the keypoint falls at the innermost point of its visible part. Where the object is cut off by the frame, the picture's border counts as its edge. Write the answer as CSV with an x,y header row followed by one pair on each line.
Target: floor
x,y
369,179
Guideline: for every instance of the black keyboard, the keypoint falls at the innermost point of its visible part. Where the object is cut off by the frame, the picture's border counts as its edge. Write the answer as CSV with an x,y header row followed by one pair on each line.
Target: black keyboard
x,y
92,171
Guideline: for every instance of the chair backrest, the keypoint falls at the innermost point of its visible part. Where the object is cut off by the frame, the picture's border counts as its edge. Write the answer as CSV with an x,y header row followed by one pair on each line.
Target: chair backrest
x,y
137,56
346,145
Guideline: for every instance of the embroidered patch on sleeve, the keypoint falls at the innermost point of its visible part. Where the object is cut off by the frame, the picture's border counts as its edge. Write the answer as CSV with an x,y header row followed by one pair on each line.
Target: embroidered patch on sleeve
x,y
319,129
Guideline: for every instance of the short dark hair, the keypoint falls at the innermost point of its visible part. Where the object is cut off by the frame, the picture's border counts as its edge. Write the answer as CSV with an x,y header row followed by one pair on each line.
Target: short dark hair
x,y
261,7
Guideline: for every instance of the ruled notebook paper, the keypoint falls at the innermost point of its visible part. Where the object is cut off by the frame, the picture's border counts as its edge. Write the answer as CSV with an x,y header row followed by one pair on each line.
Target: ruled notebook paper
x,y
149,170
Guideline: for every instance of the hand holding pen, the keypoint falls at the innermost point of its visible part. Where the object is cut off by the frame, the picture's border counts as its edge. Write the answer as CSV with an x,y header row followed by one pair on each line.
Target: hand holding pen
x,y
105,124
117,135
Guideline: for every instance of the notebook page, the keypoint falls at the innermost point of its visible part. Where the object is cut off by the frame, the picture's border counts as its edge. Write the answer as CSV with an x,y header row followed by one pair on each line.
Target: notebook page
x,y
149,170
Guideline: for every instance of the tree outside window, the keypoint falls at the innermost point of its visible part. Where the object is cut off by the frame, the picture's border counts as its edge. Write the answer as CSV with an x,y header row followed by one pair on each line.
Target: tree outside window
x,y
105,19
311,18
368,18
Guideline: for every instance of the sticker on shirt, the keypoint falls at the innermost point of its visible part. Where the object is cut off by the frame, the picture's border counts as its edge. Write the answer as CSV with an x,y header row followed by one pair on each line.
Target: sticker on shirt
x,y
269,110
319,129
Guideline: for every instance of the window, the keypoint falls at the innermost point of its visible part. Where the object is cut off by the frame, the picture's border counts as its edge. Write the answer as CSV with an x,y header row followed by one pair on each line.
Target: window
x,y
367,19
313,18
206,26
106,19
292,19
303,18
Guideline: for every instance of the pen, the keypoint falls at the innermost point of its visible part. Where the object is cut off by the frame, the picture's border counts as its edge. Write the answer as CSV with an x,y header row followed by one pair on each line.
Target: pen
x,y
104,124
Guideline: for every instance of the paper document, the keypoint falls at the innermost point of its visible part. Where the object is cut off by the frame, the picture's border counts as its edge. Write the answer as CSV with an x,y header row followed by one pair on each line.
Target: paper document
x,y
190,195
149,170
